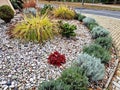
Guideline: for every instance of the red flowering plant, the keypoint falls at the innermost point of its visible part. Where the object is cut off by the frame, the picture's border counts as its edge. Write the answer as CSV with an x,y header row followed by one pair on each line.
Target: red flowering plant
x,y
56,59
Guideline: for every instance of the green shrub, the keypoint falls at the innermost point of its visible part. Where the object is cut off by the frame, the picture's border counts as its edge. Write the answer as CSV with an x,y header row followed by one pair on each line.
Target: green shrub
x,y
79,17
46,9
53,85
17,4
64,12
99,32
88,20
92,25
67,30
6,13
38,29
92,66
98,52
75,77
105,42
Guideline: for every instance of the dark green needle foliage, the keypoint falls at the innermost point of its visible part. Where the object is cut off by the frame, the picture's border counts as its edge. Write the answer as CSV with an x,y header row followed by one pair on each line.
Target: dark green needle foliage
x,y
53,85
75,77
105,42
98,52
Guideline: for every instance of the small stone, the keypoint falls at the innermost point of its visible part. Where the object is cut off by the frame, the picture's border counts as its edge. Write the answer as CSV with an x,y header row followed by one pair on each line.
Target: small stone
x,y
3,82
12,86
116,84
117,88
118,73
118,78
31,79
9,76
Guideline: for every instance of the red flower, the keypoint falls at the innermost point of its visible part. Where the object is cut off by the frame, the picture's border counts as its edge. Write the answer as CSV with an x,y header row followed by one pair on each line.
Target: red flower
x,y
56,59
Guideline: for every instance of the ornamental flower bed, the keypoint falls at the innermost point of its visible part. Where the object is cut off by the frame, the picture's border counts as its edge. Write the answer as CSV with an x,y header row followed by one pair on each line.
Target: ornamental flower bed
x,y
30,62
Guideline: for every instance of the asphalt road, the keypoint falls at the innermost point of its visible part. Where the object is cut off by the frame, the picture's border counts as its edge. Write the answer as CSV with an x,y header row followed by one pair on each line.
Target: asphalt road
x,y
115,14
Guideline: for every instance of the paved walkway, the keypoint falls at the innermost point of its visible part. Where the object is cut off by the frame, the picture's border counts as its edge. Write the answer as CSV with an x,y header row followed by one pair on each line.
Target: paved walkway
x,y
115,14
113,25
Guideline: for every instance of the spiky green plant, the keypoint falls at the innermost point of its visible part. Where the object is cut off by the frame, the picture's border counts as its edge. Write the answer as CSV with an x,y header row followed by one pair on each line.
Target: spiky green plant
x,y
64,12
92,66
38,29
98,52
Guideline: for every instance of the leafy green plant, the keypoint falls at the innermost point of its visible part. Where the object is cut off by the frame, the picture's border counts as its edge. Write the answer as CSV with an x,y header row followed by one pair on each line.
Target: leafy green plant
x,y
92,66
67,30
64,12
88,20
38,29
92,25
17,4
99,32
75,78
53,85
105,42
98,52
46,8
6,13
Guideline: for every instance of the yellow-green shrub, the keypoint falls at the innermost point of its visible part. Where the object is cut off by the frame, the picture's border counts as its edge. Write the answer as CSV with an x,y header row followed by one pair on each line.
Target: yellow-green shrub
x,y
64,12
37,29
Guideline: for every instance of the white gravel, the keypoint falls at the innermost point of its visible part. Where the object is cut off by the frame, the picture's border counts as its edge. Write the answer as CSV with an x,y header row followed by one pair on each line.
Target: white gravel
x,y
25,64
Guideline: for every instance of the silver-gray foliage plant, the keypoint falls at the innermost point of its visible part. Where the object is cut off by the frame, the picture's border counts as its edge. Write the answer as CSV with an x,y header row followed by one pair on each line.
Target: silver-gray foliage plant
x,y
99,31
93,67
88,20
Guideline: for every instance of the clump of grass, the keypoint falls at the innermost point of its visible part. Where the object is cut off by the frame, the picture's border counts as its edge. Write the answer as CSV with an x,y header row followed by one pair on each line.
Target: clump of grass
x,y
38,29
64,12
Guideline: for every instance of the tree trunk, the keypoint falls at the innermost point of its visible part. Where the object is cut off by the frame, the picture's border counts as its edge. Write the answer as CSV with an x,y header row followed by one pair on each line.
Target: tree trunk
x,y
115,1
82,2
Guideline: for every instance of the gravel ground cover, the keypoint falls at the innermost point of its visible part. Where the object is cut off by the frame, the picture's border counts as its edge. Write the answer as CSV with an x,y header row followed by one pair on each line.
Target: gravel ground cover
x,y
24,65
